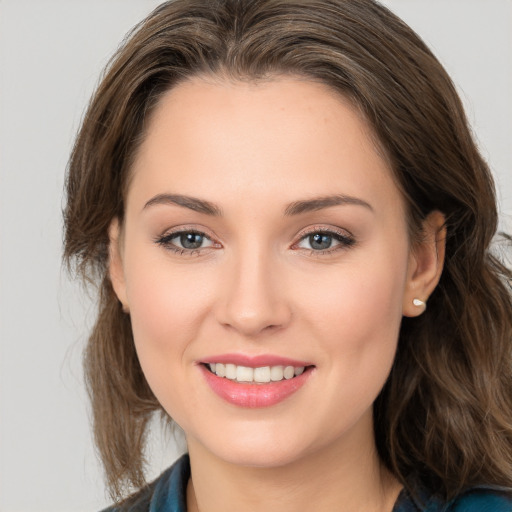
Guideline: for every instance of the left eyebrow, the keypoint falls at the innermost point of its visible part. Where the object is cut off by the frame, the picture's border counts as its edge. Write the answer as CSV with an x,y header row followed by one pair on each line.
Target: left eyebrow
x,y
319,203
192,203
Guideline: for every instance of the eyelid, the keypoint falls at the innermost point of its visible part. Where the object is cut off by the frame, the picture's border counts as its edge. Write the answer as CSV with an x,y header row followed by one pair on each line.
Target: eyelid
x,y
322,228
345,238
169,234
187,228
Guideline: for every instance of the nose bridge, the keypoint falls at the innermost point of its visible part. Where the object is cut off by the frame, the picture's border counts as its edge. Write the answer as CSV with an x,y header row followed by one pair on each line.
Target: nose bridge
x,y
254,298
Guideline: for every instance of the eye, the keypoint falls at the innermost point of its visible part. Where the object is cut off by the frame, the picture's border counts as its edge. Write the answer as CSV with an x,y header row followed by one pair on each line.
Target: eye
x,y
318,241
185,241
325,241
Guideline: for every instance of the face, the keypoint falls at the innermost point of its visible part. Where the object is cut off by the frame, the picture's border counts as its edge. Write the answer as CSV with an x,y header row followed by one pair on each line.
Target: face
x,y
263,235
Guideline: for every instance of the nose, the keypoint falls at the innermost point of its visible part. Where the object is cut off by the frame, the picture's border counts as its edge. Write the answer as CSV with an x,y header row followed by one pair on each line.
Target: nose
x,y
254,298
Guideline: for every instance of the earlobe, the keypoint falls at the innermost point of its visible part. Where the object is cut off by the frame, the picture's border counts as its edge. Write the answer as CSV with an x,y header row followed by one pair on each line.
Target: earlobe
x,y
115,264
426,262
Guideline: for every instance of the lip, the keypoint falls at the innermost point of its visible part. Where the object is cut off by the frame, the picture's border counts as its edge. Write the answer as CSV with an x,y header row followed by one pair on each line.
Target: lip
x,y
255,361
252,395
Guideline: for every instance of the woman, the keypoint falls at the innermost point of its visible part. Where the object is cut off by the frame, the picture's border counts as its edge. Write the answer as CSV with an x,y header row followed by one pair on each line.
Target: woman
x,y
269,194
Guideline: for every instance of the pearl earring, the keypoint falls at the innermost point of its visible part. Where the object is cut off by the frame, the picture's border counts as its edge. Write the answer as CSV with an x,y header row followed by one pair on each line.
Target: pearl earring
x,y
418,302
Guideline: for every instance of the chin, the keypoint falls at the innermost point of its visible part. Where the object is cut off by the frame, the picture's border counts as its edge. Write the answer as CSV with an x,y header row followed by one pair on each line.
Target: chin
x,y
260,458
258,448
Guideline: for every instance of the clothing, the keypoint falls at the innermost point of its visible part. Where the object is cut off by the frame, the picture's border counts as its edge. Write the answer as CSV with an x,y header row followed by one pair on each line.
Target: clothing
x,y
168,494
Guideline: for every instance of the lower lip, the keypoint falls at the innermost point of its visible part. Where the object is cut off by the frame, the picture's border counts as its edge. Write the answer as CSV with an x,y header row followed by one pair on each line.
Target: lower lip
x,y
254,395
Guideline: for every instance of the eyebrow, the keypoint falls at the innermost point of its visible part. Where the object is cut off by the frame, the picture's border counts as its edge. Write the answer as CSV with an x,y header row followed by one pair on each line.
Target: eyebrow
x,y
295,208
192,203
319,203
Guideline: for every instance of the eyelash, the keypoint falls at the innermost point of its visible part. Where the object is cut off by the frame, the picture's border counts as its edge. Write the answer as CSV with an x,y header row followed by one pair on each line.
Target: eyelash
x,y
165,242
345,241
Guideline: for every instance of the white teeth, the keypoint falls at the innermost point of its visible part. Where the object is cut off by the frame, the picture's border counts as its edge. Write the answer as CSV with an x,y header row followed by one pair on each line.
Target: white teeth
x,y
289,372
276,373
260,375
231,371
244,374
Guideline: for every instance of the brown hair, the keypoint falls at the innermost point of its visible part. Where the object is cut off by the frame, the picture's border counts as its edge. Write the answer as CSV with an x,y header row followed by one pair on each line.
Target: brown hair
x,y
444,417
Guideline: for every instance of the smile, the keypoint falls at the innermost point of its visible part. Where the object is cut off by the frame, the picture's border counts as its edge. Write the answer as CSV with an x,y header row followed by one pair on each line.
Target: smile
x,y
255,382
260,375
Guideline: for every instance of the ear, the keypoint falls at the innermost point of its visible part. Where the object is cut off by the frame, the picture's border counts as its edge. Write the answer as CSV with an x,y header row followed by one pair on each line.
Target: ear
x,y
115,264
425,266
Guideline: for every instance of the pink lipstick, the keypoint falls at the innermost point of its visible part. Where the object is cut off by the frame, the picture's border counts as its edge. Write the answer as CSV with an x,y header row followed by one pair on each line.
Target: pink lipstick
x,y
254,381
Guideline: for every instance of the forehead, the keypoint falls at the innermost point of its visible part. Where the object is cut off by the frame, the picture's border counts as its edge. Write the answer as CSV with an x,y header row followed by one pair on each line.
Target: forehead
x,y
282,138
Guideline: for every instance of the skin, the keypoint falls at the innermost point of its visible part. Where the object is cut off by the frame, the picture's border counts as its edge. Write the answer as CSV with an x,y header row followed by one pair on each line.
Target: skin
x,y
258,286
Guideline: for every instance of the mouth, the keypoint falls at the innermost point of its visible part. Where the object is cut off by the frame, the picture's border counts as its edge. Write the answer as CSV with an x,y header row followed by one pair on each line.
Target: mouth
x,y
253,384
259,375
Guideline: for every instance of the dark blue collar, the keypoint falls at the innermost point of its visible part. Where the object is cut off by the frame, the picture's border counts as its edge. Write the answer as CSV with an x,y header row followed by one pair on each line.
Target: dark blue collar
x,y
170,494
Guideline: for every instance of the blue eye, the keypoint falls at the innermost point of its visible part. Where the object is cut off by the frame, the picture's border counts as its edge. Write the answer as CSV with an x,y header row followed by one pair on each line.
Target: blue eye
x,y
190,240
325,241
320,241
184,241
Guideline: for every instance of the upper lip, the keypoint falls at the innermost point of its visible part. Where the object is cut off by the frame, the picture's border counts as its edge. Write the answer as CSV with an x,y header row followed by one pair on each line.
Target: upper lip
x,y
256,361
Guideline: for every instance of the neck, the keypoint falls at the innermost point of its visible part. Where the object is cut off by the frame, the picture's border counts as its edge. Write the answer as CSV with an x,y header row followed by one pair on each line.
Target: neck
x,y
335,478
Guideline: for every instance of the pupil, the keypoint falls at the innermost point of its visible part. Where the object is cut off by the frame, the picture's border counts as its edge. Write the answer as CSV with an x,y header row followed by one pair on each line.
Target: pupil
x,y
191,240
320,241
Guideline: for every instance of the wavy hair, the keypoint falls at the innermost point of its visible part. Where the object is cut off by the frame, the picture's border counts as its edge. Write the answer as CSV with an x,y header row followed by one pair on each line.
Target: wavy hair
x,y
444,417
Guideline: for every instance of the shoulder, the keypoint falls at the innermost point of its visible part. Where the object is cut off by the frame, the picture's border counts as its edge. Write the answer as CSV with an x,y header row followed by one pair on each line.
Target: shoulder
x,y
483,499
475,499
165,494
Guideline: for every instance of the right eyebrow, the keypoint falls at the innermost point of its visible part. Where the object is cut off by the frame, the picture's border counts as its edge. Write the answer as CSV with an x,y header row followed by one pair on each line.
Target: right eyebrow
x,y
192,203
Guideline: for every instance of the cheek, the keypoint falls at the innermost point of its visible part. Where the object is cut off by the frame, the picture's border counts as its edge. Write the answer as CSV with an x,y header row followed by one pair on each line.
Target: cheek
x,y
357,316
166,308
356,324
166,311
359,297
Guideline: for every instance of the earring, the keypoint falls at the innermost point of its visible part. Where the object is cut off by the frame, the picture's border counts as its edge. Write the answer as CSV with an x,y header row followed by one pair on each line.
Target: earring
x,y
419,303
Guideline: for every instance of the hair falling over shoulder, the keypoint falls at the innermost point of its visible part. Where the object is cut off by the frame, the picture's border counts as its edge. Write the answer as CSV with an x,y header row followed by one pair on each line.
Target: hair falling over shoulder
x,y
444,417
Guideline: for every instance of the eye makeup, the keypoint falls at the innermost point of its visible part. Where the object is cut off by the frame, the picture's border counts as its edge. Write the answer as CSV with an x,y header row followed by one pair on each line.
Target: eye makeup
x,y
324,240
186,241
316,241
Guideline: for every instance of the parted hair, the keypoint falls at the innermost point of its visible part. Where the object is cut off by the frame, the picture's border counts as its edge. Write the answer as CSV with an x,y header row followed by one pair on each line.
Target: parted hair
x,y
444,416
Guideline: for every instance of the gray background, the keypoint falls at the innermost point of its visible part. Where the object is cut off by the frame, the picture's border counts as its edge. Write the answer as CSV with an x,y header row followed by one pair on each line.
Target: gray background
x,y
51,54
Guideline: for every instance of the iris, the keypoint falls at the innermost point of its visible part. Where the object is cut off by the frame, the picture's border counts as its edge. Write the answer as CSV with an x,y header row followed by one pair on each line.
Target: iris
x,y
191,240
320,241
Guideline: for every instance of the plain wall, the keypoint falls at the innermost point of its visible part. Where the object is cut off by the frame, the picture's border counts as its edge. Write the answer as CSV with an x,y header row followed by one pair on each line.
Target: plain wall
x,y
51,54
